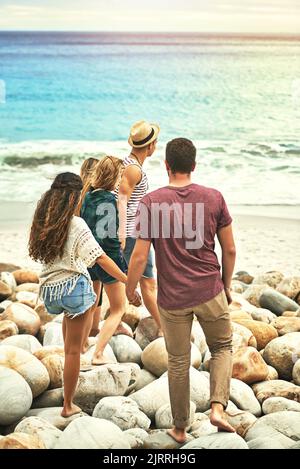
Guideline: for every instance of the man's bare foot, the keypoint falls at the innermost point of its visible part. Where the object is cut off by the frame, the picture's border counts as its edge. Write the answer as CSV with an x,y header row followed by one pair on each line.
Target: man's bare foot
x,y
218,419
70,410
101,360
178,434
122,330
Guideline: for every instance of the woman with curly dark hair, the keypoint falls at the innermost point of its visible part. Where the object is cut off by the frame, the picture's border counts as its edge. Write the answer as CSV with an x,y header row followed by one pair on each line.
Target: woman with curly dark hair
x,y
65,246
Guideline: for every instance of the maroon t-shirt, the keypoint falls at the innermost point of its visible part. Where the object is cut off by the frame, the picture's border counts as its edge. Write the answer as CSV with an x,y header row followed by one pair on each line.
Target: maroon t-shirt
x,y
182,223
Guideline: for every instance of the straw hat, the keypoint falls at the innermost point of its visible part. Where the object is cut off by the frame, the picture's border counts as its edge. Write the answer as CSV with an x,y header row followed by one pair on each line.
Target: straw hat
x,y
142,134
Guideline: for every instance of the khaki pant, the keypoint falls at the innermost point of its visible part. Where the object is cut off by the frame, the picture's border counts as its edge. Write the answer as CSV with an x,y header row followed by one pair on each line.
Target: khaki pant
x,y
214,319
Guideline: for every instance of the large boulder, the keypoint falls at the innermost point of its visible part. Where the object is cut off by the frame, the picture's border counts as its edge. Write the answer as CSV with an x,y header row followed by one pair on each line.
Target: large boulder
x,y
156,394
136,437
43,314
28,287
253,294
102,381
262,332
123,412
160,440
25,341
50,398
25,276
282,353
276,302
132,316
272,278
146,331
15,396
279,404
283,427
285,325
242,395
40,428
289,286
219,440
9,279
144,378
243,331
276,388
55,367
249,366
92,433
296,372
21,441
53,416
264,315
24,317
27,298
164,418
126,349
201,426
32,370
53,334
5,291
155,357
8,329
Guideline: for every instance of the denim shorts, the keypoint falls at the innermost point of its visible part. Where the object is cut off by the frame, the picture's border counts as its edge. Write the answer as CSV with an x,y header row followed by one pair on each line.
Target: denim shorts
x,y
97,273
73,304
130,243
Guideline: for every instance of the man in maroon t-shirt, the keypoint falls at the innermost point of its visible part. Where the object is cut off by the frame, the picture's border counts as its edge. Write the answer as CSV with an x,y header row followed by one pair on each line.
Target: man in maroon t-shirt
x,y
182,220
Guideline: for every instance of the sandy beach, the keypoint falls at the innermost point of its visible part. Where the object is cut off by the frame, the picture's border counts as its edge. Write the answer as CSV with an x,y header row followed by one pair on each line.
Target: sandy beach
x,y
267,238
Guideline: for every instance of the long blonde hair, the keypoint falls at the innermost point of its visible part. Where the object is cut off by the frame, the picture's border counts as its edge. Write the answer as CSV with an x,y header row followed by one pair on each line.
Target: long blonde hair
x,y
105,176
87,168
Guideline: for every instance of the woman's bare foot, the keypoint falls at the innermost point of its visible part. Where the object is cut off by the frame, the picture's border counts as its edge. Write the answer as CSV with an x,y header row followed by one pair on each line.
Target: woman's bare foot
x,y
178,434
101,360
218,419
122,330
69,410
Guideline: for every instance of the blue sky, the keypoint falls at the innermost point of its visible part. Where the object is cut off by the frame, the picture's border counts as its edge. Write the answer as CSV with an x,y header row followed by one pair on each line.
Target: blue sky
x,y
258,16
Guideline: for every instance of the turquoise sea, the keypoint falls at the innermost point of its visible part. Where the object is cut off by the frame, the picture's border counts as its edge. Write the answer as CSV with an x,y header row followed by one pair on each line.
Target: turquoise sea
x,y
73,95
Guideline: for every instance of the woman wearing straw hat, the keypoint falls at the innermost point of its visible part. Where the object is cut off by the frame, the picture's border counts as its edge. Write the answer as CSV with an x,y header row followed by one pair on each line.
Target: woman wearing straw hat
x,y
132,188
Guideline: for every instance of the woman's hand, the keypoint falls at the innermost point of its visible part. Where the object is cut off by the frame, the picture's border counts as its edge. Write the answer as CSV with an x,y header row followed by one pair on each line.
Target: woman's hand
x,y
134,298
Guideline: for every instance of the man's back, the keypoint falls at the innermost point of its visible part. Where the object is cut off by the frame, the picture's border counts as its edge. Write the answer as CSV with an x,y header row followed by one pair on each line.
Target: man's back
x,y
184,222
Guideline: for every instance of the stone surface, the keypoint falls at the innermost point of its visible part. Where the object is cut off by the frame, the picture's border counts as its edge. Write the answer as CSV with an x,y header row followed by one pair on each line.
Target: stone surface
x,y
21,441
272,278
25,276
92,433
126,349
249,366
51,398
53,334
136,437
28,287
27,298
102,381
5,291
243,396
25,341
159,439
243,331
6,267
144,378
282,353
8,329
156,394
15,396
289,286
53,416
202,426
155,357
262,332
146,332
164,418
276,388
25,317
278,404
132,316
220,440
32,370
43,314
123,412
264,315
277,302
40,428
55,367
296,372
253,294
241,421
284,325
273,374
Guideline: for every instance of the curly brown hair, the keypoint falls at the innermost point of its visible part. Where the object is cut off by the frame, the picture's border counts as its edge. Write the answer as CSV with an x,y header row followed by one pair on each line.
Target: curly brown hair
x,y
105,176
52,217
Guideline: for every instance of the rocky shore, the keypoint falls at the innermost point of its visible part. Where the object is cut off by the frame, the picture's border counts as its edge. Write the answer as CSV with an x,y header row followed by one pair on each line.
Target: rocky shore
x,y
126,404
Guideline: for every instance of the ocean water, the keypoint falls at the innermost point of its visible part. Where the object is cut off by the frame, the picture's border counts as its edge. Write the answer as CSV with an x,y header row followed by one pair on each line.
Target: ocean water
x,y
74,95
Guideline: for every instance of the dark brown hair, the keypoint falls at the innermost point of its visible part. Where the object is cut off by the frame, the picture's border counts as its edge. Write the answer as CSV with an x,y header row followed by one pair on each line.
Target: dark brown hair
x,y
181,155
52,217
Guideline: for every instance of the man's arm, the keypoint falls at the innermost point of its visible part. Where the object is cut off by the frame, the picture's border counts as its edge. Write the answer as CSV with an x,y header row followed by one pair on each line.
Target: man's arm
x,y
137,266
225,237
130,178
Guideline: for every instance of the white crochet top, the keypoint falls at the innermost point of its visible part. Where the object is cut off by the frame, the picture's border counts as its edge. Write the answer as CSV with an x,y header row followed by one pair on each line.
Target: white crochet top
x,y
81,251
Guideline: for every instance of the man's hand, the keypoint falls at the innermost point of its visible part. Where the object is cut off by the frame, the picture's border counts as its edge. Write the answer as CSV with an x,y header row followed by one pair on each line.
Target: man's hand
x,y
134,298
228,295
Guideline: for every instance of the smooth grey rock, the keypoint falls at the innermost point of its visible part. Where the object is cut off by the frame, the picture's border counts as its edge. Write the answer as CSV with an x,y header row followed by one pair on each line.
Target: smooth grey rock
x,y
40,428
264,315
53,334
123,412
220,440
53,416
296,372
276,388
15,396
164,418
24,341
136,437
50,398
279,404
92,433
159,439
282,353
126,349
144,378
242,395
266,443
276,302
